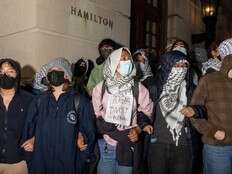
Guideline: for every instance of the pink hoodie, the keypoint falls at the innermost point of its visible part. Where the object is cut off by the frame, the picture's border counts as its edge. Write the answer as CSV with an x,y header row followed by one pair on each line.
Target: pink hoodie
x,y
145,105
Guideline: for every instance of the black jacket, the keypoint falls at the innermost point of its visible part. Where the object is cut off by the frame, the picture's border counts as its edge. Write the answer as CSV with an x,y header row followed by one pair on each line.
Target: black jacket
x,y
11,127
55,125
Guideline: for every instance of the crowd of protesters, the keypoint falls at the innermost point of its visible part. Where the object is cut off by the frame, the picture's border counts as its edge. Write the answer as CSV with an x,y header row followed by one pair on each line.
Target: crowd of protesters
x,y
122,115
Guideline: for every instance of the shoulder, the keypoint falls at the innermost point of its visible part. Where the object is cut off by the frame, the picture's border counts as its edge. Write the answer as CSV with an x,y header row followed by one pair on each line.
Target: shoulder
x,y
97,68
98,87
211,77
24,93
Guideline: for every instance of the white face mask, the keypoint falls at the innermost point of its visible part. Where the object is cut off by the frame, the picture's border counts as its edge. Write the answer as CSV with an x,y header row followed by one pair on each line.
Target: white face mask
x,y
181,49
125,68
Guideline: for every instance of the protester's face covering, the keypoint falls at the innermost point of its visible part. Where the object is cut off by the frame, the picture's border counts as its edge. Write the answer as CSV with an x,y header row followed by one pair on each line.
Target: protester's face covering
x,y
56,76
7,76
125,65
105,51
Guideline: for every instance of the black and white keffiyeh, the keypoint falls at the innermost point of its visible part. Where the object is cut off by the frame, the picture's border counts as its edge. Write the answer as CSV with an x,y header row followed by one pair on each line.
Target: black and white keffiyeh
x,y
172,99
114,84
146,72
211,63
120,101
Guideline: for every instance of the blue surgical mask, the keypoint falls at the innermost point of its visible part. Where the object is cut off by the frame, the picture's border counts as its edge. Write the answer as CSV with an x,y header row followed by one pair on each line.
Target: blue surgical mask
x,y
125,68
181,49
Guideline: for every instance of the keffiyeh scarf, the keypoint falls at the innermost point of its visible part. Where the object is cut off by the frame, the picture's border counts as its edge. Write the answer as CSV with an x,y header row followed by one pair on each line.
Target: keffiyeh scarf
x,y
172,99
211,63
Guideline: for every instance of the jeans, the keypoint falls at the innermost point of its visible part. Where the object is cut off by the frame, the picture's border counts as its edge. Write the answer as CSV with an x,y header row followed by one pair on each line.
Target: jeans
x,y
217,159
169,159
108,163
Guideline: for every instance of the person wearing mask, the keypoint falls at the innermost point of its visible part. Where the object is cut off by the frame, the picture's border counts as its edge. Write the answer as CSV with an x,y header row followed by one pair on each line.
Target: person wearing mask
x,y
144,73
105,47
214,63
13,109
123,108
81,73
171,145
54,122
212,99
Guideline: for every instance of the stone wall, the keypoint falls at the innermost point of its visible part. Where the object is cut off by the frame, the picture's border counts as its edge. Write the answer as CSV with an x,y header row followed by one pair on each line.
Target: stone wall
x,y
35,31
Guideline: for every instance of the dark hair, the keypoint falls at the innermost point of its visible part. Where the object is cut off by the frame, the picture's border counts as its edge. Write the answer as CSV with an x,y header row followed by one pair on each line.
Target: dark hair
x,y
16,66
214,45
107,41
179,40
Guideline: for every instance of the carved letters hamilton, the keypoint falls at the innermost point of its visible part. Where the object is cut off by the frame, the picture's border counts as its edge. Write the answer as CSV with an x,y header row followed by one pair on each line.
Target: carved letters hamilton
x,y
89,16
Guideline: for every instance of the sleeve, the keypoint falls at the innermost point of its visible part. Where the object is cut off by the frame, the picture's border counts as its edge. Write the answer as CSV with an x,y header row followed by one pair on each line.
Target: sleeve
x,y
145,103
97,100
228,137
91,82
88,128
104,127
31,120
143,120
198,103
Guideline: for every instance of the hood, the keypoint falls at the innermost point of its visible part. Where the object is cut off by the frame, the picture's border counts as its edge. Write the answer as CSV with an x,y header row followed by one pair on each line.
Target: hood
x,y
168,61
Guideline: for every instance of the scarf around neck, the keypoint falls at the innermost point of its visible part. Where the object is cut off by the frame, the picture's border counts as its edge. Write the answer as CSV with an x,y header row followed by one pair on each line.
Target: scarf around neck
x,y
146,72
172,99
211,63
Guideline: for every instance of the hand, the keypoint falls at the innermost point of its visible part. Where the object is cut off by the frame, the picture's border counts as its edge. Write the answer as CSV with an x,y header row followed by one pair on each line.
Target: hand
x,y
81,142
187,111
134,134
29,145
220,135
148,129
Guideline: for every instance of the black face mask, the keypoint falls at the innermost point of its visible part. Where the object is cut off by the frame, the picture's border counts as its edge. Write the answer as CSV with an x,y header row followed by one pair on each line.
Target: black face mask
x,y
56,78
7,82
105,52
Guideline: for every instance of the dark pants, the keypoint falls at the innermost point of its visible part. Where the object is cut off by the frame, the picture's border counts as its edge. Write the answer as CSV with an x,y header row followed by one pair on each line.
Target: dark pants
x,y
169,159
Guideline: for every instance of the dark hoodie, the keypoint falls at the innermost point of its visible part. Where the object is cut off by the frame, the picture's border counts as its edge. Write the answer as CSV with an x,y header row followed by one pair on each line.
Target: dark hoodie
x,y
214,92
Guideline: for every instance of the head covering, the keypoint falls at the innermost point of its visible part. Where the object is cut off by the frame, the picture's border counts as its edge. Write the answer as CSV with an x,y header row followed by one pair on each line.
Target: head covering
x,y
146,72
167,61
172,94
16,66
81,67
225,48
57,62
113,84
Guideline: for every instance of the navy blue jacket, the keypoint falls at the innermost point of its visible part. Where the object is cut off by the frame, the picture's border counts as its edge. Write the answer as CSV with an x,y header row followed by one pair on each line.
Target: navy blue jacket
x,y
11,127
55,125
